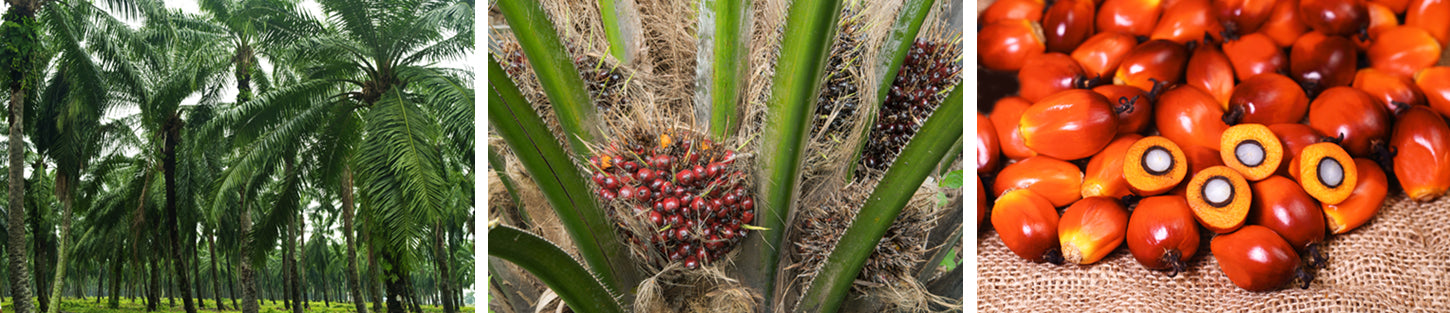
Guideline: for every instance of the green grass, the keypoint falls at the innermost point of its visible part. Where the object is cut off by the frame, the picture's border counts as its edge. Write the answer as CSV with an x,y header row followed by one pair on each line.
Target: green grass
x,y
72,305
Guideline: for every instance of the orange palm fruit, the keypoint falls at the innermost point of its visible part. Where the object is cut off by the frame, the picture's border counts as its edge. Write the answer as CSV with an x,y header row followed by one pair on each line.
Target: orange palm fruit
x,y
1318,62
1200,158
1133,17
1006,114
988,150
1243,16
1294,137
1005,45
1431,15
1049,73
1380,18
1067,23
1391,91
1352,115
1153,165
1220,198
1006,10
1210,70
1135,119
1100,54
1422,161
1091,228
1396,6
1190,117
1252,150
1268,98
1254,54
1435,82
1104,176
1187,20
1056,180
1069,125
981,201
1334,17
1153,62
1327,172
1162,234
1363,203
1027,224
1255,258
1403,50
1282,206
1284,25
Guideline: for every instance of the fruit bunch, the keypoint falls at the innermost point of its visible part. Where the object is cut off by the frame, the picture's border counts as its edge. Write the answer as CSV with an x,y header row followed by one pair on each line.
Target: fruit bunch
x,y
605,82
691,205
927,73
838,93
1267,123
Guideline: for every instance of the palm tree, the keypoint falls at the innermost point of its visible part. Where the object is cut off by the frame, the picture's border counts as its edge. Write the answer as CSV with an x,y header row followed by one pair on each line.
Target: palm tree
x,y
20,33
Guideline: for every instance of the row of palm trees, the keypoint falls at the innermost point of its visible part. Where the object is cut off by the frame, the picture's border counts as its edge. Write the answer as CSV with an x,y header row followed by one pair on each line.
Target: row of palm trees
x,y
344,120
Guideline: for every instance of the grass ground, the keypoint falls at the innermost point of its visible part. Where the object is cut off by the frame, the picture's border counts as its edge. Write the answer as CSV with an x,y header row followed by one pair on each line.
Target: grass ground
x,y
89,305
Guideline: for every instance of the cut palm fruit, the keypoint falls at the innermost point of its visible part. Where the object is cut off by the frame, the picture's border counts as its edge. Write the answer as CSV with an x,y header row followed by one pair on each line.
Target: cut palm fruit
x,y
1154,165
1251,149
1104,176
1327,172
1220,198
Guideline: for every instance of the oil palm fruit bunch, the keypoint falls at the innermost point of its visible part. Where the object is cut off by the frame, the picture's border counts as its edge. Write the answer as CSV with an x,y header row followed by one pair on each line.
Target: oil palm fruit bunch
x,y
839,97
930,68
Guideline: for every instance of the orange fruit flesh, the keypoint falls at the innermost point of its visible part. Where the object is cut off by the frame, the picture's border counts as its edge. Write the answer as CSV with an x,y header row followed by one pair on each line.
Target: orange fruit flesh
x,y
1220,199
1252,150
1104,176
1362,205
1327,172
1154,165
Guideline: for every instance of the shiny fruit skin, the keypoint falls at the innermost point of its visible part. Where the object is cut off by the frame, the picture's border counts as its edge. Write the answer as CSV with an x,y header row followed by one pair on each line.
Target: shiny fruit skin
x,y
1269,99
1435,82
1067,23
1294,137
1284,25
1189,117
1027,224
1133,17
1005,10
1254,54
1091,228
1422,163
1210,70
1104,175
1282,206
1369,194
1006,116
1129,121
1392,91
1352,114
1255,258
1403,50
989,153
1069,125
1158,226
1006,45
1334,17
981,201
1058,181
1319,62
1100,54
1397,6
1187,20
1431,15
1156,60
1243,16
1380,19
1047,74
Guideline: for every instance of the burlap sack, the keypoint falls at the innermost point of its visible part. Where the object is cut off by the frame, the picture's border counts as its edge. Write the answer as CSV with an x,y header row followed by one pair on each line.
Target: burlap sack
x,y
1397,262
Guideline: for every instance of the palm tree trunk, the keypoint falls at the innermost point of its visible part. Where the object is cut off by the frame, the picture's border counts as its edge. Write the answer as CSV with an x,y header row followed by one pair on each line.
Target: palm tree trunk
x,y
352,282
168,165
441,257
40,233
232,283
63,190
294,283
153,291
196,274
397,285
302,261
375,277
216,281
249,285
24,12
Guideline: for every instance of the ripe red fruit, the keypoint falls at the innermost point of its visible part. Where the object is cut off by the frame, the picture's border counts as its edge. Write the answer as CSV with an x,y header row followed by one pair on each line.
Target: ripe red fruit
x,y
1255,258
1334,17
1005,45
1162,233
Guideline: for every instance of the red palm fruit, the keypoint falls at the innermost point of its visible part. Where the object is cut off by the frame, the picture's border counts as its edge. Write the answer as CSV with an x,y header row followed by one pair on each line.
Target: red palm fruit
x,y
1255,258
1295,137
1334,17
1162,234
1005,45
1391,91
988,151
1006,10
1380,19
1243,16
1318,62
1431,15
1210,70
1027,224
1201,158
1049,73
981,201
1352,115
1369,195
1396,6
1284,25
1190,118
1266,99
1100,54
1435,82
1056,180
1067,23
1069,125
1104,176
1282,206
1133,17
1403,50
1254,54
1091,228
1188,20
1153,62
1006,115
1134,120
1422,163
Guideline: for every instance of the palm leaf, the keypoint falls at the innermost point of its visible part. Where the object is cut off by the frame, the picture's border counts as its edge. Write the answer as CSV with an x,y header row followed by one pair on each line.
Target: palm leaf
x,y
553,266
